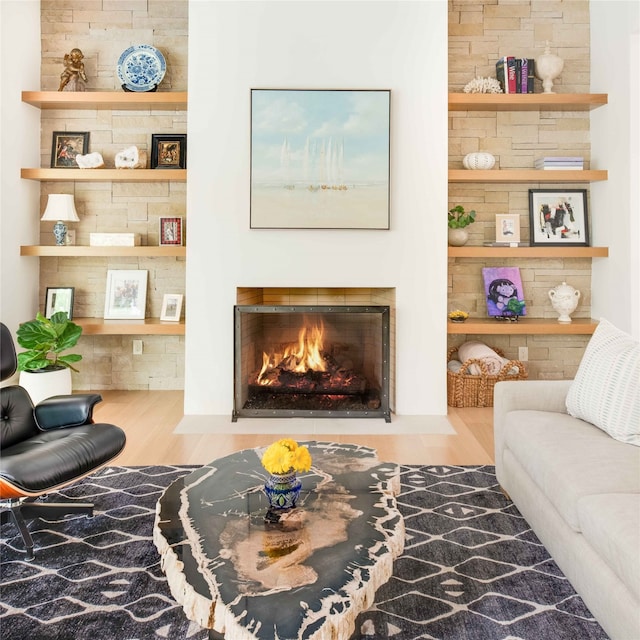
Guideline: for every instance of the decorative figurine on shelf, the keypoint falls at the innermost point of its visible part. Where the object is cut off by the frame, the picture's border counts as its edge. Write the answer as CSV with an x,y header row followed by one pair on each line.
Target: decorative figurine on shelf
x,y
131,158
90,161
548,67
73,77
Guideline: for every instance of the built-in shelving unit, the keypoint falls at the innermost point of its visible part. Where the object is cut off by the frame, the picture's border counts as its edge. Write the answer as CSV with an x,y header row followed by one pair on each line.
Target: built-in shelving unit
x,y
526,175
159,100
114,100
149,326
525,102
105,175
528,252
88,252
525,326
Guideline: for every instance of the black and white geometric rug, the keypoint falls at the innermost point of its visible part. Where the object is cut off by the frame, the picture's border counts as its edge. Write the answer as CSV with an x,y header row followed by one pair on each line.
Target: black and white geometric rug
x,y
471,570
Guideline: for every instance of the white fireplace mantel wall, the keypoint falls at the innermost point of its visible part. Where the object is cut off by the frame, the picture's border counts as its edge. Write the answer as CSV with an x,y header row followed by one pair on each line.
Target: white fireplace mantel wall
x,y
237,46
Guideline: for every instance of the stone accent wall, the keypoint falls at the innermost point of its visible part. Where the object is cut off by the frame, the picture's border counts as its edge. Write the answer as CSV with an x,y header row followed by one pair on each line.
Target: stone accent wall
x,y
479,34
103,29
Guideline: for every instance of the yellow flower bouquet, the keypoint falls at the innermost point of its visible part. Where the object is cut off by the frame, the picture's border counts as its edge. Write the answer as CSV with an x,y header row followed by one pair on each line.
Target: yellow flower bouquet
x,y
286,456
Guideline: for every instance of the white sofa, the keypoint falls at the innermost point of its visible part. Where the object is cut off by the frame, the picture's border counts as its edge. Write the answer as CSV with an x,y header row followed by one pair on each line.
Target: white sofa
x,y
578,487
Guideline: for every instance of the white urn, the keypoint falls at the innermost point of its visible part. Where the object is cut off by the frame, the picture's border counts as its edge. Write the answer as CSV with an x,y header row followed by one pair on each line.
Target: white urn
x,y
564,300
548,67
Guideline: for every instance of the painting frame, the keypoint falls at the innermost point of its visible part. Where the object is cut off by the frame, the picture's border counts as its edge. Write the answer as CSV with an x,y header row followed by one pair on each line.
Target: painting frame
x,y
65,146
504,292
171,307
320,158
164,155
59,299
558,218
170,231
508,227
126,294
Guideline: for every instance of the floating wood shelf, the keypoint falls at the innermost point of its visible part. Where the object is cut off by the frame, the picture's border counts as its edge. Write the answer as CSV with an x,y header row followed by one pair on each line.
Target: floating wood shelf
x,y
526,175
525,326
83,251
149,326
528,252
105,175
160,100
526,101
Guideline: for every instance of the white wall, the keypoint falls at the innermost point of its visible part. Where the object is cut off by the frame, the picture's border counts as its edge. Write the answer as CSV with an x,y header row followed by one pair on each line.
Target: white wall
x,y
615,142
20,147
236,46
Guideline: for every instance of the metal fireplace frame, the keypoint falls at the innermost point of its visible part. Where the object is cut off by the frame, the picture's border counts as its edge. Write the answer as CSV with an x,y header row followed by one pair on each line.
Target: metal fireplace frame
x,y
382,412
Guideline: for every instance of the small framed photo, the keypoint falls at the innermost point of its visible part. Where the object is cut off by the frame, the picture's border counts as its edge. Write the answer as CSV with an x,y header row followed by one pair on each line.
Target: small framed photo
x,y
558,217
66,146
170,232
126,295
59,299
168,151
507,227
171,307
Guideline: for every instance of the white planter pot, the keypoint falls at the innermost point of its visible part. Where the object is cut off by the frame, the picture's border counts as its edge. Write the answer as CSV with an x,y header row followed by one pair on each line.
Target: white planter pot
x,y
458,237
44,384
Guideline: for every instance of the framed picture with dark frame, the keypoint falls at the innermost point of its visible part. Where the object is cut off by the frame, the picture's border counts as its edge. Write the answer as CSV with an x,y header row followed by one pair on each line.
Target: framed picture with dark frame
x,y
168,151
558,217
59,299
65,146
320,159
170,233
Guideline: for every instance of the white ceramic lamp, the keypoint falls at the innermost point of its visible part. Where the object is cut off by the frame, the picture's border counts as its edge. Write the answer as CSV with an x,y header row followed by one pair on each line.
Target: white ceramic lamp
x,y
61,209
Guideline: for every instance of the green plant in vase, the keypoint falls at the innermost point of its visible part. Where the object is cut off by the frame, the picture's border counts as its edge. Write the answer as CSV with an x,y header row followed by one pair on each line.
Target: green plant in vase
x,y
458,219
45,339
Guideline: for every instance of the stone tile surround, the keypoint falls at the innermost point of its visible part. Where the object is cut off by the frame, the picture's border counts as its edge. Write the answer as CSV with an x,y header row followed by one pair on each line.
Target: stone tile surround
x,y
103,29
479,34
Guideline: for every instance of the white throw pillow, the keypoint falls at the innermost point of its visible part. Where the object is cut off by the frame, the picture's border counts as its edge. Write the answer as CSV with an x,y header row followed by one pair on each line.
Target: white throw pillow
x,y
605,389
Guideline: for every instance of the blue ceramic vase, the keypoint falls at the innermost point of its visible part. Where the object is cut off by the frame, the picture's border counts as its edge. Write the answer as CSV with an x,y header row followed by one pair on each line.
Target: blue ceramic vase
x,y
282,490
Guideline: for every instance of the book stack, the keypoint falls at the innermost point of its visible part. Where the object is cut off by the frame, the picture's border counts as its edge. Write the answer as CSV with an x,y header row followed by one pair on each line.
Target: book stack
x,y
515,75
560,162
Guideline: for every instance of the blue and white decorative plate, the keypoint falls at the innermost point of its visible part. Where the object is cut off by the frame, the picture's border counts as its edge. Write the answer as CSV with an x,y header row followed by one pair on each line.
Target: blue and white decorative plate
x,y
141,67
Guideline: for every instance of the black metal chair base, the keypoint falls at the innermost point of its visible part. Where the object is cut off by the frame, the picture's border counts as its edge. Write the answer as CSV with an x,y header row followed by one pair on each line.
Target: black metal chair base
x,y
18,511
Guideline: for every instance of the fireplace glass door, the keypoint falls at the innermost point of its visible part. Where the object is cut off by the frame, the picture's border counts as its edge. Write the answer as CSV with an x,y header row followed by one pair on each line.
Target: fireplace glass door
x,y
311,361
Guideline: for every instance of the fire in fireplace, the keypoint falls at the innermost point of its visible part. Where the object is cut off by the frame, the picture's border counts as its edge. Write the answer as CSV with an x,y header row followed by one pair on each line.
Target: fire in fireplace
x,y
311,361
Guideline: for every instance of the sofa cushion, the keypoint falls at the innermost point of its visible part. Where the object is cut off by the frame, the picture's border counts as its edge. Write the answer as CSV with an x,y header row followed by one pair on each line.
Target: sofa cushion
x,y
611,525
605,389
568,458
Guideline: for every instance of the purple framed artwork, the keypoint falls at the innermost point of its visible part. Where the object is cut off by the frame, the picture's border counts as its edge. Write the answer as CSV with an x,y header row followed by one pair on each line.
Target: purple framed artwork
x,y
504,292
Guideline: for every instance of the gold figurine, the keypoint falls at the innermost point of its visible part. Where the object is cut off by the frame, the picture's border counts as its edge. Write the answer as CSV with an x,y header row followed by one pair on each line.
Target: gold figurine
x,y
73,77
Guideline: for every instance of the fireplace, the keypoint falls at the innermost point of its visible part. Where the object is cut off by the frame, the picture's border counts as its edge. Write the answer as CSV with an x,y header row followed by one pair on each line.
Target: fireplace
x,y
311,361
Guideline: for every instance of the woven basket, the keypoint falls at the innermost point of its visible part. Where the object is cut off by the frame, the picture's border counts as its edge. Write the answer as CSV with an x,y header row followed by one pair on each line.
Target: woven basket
x,y
466,390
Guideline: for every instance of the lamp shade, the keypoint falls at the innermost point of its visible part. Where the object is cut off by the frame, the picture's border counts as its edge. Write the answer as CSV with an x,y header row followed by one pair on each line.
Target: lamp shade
x,y
60,206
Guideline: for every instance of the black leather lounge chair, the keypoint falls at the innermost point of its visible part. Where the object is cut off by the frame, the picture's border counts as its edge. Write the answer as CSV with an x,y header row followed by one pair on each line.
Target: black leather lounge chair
x,y
46,447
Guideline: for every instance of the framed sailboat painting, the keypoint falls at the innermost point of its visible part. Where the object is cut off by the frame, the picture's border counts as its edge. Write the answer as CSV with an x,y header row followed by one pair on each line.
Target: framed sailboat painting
x,y
320,159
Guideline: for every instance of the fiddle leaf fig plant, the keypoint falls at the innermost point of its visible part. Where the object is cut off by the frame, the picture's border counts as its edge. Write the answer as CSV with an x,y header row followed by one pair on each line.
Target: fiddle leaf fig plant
x,y
459,219
45,339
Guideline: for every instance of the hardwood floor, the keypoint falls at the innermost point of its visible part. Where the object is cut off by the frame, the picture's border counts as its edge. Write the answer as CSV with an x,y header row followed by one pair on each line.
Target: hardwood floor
x,y
150,417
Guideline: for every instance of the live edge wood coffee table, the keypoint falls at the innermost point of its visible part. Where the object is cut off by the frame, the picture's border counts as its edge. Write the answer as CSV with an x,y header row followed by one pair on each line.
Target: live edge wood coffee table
x,y
308,576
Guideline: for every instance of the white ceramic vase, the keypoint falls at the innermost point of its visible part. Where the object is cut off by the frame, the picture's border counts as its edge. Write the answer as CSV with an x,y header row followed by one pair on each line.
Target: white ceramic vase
x,y
548,67
458,237
44,384
564,300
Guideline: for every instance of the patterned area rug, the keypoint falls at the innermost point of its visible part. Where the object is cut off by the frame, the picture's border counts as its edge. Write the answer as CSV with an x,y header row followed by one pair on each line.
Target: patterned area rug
x,y
472,568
